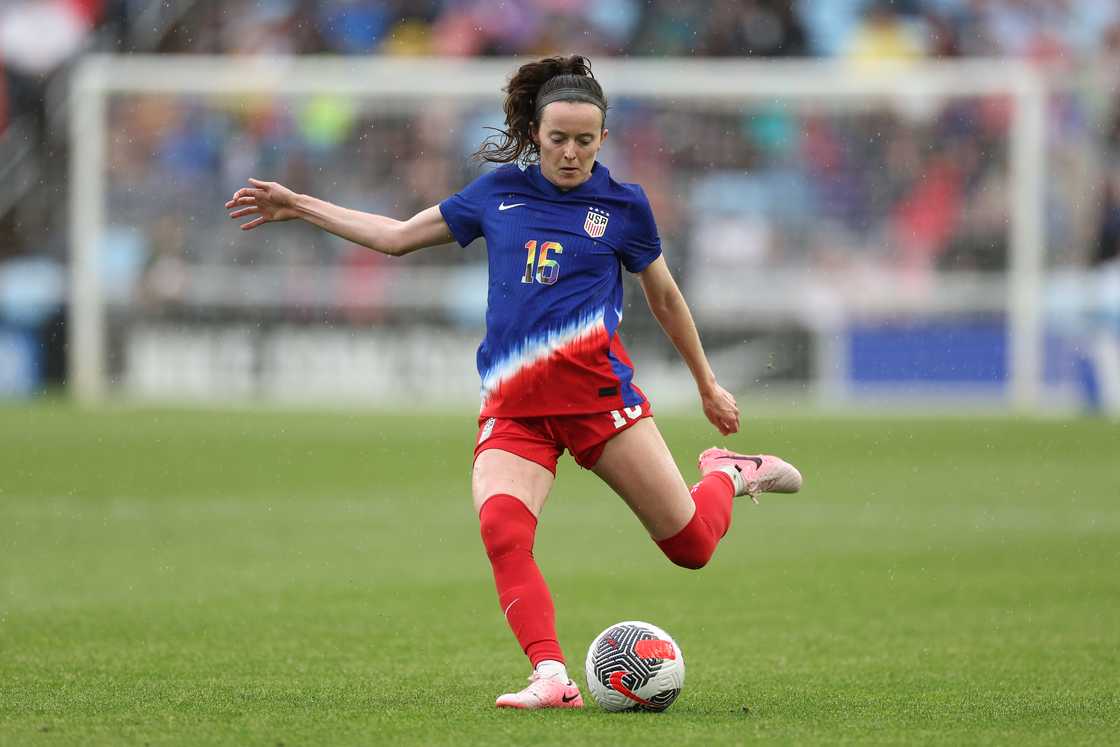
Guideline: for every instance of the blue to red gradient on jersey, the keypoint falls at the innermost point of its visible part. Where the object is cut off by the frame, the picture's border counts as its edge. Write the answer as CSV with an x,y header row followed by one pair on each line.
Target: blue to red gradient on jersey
x,y
555,298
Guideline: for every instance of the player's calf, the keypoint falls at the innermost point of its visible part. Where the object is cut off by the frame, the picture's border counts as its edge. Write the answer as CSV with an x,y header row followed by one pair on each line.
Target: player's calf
x,y
693,546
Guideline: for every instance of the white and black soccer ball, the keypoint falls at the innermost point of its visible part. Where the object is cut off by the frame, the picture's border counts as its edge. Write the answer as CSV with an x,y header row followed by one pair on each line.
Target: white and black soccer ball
x,y
634,666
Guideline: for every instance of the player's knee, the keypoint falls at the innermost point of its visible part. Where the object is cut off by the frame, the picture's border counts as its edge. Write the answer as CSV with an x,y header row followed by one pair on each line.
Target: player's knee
x,y
692,547
506,526
693,558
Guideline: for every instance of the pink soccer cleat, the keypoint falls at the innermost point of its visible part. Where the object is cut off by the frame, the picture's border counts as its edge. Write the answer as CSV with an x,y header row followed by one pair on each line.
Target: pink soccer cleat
x,y
544,692
761,473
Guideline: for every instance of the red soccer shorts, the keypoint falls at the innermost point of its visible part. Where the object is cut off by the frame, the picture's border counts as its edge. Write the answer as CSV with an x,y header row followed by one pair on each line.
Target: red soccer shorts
x,y
543,440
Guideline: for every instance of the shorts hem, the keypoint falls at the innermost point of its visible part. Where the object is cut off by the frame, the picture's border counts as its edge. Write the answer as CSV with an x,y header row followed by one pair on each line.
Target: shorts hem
x,y
488,447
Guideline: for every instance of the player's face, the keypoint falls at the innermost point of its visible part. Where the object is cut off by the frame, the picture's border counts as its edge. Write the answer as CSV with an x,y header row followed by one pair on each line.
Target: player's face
x,y
569,135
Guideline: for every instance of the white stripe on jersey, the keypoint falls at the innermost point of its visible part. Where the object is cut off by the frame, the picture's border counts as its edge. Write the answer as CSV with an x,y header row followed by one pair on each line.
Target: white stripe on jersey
x,y
537,348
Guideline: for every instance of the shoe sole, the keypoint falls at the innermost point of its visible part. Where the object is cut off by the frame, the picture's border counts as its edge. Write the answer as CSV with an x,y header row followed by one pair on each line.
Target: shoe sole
x,y
518,707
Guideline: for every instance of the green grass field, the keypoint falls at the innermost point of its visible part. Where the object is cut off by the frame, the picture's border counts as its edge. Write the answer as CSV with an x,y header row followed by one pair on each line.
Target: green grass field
x,y
275,578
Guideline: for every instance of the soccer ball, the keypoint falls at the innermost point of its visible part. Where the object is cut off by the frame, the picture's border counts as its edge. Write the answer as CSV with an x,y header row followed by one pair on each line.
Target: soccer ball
x,y
634,666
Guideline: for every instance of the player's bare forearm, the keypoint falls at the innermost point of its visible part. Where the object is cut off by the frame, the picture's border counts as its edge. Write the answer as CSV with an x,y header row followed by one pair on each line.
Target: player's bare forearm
x,y
673,314
668,306
270,202
718,404
377,232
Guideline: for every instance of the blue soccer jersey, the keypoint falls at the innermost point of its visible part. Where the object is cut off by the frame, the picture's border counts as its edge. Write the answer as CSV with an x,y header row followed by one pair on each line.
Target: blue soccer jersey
x,y
555,296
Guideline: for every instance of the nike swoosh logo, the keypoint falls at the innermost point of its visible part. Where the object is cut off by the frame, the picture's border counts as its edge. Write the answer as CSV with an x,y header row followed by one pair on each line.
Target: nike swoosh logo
x,y
757,461
504,206
617,686
568,698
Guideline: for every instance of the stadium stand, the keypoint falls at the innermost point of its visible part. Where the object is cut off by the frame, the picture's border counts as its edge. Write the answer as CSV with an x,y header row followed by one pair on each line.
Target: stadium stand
x,y
940,206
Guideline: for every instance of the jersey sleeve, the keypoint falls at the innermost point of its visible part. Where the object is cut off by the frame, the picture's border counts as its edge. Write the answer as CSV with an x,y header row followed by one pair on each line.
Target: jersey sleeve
x,y
462,211
642,245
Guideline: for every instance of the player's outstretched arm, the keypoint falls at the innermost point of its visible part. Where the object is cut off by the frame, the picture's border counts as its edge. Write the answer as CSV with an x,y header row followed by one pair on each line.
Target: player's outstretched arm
x,y
669,308
269,202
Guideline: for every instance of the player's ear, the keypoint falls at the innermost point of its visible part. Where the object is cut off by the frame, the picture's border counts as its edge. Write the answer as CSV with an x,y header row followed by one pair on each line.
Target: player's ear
x,y
603,137
533,127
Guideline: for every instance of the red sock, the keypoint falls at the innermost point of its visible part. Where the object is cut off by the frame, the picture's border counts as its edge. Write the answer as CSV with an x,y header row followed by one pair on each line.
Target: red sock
x,y
692,547
508,530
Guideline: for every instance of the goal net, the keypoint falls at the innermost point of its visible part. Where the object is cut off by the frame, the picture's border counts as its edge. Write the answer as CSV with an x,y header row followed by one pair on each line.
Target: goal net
x,y
842,234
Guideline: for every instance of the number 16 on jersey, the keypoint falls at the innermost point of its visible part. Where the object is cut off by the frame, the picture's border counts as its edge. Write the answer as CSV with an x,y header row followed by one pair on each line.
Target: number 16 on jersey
x,y
547,270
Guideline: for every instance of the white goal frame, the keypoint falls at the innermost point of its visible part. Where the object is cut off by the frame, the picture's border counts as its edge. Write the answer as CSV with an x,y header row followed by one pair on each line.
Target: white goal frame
x,y
679,80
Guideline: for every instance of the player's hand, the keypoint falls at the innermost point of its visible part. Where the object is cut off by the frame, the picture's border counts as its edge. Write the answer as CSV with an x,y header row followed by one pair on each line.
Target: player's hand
x,y
268,201
720,409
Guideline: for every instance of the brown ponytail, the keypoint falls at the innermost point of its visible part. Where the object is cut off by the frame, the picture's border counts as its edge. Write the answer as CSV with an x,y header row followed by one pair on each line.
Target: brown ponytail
x,y
566,78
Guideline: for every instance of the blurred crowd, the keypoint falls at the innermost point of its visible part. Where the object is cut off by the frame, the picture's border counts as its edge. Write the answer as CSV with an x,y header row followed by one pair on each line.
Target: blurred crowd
x,y
765,28
39,37
784,186
881,190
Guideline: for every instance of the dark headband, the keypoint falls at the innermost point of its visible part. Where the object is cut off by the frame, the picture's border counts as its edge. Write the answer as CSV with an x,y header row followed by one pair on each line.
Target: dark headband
x,y
569,94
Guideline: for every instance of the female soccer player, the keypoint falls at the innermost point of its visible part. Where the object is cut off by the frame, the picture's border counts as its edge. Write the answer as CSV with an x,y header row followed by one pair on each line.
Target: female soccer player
x,y
554,373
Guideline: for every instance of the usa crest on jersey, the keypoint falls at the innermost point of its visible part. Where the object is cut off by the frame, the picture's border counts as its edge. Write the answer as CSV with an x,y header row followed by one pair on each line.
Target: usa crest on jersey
x,y
596,222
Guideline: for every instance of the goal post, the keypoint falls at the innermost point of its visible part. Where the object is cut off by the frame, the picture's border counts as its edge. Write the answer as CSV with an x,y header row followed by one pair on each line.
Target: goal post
x,y
715,85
